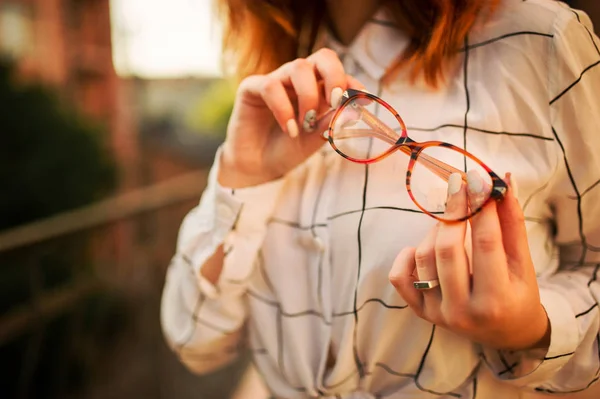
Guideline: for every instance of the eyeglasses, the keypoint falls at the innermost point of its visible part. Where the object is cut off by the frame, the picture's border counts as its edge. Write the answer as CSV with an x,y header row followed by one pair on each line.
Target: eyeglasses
x,y
359,136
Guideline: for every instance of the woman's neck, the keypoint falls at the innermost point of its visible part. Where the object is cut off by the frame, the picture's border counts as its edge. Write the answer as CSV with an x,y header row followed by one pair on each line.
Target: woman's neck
x,y
347,17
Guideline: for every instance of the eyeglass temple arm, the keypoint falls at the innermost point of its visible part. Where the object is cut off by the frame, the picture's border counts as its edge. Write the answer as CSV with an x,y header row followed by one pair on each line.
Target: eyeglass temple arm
x,y
437,167
354,133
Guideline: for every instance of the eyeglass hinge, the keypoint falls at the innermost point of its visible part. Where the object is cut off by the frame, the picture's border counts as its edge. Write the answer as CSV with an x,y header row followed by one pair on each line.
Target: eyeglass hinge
x,y
499,192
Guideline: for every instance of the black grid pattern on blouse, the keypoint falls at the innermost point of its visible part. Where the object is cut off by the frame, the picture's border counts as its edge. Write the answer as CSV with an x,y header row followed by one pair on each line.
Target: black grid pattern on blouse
x,y
364,369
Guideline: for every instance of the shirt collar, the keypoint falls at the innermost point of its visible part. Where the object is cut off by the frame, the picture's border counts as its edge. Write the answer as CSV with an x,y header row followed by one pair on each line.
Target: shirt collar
x,y
375,48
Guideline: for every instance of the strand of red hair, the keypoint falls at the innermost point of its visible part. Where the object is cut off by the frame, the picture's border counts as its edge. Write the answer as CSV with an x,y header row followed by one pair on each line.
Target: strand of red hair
x,y
262,35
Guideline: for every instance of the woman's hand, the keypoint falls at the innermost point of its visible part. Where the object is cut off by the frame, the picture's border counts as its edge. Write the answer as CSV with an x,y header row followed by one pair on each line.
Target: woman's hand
x,y
273,126
488,295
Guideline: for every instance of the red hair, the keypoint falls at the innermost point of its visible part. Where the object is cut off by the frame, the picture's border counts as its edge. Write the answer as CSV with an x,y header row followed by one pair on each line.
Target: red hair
x,y
262,35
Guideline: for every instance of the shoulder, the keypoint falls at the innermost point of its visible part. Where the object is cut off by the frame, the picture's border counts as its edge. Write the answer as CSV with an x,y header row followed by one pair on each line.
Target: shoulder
x,y
549,34
531,23
566,23
543,15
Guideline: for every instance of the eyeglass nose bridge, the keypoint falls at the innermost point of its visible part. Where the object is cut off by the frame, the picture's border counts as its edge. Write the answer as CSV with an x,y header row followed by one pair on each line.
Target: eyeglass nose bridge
x,y
405,140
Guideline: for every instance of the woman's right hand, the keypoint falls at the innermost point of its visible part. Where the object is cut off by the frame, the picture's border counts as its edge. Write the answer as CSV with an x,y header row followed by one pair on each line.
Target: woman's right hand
x,y
273,126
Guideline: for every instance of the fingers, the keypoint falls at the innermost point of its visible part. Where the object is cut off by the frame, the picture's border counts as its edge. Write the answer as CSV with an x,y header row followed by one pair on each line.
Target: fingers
x,y
330,69
425,257
452,262
402,276
426,269
260,90
277,100
489,260
304,82
302,94
479,189
514,232
315,84
326,67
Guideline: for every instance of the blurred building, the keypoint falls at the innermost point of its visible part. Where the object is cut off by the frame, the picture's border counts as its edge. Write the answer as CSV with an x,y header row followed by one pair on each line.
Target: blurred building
x,y
67,44
173,136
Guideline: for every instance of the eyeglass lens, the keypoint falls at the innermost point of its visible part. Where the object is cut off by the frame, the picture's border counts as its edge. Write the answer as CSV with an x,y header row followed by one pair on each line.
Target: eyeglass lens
x,y
364,130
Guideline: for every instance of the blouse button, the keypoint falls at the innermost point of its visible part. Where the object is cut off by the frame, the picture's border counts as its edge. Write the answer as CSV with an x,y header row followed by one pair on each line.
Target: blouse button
x,y
312,242
225,212
319,244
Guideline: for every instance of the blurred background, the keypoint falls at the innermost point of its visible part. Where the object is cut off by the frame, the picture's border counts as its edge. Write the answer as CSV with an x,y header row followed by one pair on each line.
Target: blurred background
x,y
110,114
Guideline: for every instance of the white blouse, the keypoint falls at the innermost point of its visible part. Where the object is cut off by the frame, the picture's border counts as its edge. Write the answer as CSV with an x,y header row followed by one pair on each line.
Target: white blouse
x,y
307,256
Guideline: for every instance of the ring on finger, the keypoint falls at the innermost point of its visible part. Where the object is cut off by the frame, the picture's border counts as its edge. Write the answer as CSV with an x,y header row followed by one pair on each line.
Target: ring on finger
x,y
426,284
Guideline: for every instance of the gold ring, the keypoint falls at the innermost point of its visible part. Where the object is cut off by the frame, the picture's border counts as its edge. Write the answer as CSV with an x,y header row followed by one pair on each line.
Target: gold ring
x,y
426,284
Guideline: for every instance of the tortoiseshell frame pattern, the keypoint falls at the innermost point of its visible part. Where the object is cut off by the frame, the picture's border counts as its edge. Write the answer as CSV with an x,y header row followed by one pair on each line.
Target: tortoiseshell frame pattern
x,y
414,149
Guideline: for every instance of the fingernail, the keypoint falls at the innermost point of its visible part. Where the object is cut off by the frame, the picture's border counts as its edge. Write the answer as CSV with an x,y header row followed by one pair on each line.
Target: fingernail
x,y
512,182
475,182
292,128
310,120
454,183
336,96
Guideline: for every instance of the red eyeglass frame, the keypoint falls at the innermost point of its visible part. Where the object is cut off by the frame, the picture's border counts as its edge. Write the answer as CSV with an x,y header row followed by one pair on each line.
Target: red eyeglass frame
x,y
412,148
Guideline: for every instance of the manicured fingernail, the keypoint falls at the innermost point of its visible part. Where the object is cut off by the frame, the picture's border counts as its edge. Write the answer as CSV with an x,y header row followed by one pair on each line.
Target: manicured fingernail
x,y
512,182
310,121
475,182
292,128
336,96
454,183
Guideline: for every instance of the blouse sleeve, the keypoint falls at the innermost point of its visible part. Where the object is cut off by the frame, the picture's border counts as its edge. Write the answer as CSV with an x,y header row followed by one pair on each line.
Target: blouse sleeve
x,y
203,323
571,295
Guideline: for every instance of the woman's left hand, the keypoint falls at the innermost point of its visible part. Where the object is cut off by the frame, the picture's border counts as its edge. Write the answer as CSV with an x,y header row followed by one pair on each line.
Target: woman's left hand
x,y
489,296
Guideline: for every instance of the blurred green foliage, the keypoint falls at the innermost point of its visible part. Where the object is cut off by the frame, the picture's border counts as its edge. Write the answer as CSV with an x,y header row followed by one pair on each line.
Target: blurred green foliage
x,y
210,114
51,158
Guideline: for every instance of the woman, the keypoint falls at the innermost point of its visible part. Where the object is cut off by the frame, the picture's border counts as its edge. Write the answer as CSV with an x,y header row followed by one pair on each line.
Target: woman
x,y
311,259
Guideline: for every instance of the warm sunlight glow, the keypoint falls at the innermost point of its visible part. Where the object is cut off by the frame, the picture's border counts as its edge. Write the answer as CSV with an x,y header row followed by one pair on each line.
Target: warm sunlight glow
x,y
157,38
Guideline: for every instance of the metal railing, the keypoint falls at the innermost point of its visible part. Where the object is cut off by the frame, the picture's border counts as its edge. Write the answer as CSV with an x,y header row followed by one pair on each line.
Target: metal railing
x,y
97,222
113,209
